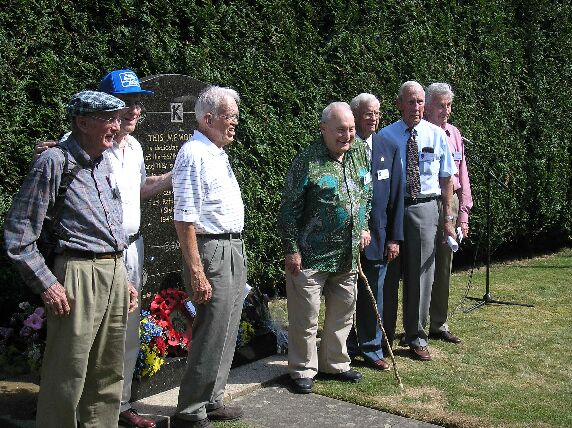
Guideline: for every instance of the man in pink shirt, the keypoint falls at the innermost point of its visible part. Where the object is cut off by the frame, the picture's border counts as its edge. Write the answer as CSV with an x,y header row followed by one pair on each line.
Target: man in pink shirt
x,y
439,98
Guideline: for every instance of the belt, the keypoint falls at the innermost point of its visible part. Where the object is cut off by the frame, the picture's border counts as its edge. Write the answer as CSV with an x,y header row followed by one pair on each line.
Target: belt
x,y
90,255
228,236
134,237
414,201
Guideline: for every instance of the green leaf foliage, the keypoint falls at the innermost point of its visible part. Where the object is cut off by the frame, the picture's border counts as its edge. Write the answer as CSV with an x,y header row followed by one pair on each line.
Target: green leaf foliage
x,y
509,63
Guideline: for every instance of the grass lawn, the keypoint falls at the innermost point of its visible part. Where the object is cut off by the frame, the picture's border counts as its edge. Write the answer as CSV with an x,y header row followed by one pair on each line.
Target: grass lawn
x,y
512,368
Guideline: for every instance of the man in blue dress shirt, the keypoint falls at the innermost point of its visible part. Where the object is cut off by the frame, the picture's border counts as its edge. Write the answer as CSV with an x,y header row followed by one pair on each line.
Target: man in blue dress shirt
x,y
427,169
386,229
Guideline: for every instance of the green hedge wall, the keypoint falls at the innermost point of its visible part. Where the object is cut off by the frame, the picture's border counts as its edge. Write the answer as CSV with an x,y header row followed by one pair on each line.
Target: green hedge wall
x,y
510,63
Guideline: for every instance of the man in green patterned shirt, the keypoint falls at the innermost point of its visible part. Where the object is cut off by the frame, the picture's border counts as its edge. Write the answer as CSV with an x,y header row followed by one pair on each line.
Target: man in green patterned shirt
x,y
323,223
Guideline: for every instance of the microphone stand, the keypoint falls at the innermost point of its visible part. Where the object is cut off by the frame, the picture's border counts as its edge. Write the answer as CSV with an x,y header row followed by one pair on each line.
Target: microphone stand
x,y
487,299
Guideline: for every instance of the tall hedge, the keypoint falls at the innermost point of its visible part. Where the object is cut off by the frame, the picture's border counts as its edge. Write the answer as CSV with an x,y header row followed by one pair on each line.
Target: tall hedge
x,y
509,62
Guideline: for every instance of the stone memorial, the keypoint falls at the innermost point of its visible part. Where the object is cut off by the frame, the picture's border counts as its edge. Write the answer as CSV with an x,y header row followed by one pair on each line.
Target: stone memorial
x,y
169,122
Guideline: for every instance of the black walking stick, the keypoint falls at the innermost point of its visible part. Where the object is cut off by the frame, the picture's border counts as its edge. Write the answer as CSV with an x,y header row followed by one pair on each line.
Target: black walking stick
x,y
374,305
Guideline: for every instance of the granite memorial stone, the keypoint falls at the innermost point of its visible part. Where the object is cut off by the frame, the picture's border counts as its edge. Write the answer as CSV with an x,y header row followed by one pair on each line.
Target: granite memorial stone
x,y
169,121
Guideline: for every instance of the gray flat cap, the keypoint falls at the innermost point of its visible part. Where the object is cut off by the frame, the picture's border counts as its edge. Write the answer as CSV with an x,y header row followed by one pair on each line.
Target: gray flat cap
x,y
87,102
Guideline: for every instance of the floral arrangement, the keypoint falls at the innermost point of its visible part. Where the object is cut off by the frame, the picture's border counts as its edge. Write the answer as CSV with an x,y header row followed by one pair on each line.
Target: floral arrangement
x,y
168,308
164,331
24,336
153,346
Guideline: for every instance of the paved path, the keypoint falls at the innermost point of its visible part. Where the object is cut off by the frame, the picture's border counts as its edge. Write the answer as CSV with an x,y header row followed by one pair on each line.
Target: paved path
x,y
260,388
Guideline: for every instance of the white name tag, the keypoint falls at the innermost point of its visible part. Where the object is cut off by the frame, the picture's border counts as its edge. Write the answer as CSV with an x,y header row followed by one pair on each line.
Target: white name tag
x,y
457,156
367,178
382,174
427,157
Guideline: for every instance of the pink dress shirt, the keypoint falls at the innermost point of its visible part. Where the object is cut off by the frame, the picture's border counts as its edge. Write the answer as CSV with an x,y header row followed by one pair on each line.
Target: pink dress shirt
x,y
461,183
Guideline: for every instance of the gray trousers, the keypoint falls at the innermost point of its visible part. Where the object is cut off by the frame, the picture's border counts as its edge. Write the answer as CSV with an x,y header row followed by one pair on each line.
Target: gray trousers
x,y
420,229
133,259
215,328
416,262
443,262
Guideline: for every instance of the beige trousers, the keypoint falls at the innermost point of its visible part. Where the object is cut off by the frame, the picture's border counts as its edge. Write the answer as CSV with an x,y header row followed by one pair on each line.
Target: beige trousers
x,y
82,370
303,292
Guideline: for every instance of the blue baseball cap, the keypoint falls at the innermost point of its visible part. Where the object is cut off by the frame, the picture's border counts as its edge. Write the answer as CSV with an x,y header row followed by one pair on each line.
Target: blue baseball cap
x,y
120,82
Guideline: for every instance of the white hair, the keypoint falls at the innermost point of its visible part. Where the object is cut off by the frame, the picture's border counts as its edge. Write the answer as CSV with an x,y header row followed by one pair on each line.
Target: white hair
x,y
410,84
438,89
363,98
211,98
327,112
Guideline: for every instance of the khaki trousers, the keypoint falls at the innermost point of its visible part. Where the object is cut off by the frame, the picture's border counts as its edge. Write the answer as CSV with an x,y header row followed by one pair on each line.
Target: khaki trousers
x,y
303,292
443,263
82,370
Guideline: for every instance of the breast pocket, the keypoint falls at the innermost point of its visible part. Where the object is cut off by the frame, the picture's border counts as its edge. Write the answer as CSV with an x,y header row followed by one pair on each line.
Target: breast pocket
x,y
428,163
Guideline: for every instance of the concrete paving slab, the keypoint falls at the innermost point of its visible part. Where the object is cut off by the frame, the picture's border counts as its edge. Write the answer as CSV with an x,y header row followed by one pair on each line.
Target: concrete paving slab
x,y
276,407
242,380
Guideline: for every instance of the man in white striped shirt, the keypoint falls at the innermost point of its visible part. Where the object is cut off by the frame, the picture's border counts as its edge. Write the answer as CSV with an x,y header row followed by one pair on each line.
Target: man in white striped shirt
x,y
209,218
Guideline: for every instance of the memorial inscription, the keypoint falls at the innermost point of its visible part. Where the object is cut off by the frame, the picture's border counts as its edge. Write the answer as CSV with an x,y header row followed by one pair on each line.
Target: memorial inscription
x,y
169,122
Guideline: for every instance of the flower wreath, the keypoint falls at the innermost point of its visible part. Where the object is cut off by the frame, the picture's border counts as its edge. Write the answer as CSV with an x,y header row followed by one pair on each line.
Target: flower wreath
x,y
169,309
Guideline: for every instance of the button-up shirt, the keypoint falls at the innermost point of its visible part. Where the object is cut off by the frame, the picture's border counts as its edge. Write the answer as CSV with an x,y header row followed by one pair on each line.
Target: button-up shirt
x,y
128,167
435,159
325,206
91,217
461,183
205,189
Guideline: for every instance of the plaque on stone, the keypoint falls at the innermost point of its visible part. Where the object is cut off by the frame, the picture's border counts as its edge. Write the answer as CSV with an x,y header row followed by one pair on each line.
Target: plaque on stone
x,y
169,121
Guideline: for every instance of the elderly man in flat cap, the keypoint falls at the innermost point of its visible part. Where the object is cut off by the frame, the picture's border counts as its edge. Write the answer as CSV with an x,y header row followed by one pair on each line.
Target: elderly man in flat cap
x,y
84,288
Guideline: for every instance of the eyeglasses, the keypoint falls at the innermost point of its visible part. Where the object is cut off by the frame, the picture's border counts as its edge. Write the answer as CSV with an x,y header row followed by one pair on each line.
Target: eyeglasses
x,y
371,115
133,103
230,117
108,120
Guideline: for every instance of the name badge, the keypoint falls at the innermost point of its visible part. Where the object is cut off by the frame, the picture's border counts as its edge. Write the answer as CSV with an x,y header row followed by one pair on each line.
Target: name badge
x,y
367,178
382,174
457,156
427,157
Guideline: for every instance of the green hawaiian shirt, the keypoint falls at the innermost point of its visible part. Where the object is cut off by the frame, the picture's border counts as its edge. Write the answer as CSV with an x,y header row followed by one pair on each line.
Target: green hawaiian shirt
x,y
325,206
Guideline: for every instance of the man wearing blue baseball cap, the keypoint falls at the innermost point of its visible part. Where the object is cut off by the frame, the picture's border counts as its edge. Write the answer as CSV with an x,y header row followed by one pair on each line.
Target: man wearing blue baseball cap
x,y
127,163
84,289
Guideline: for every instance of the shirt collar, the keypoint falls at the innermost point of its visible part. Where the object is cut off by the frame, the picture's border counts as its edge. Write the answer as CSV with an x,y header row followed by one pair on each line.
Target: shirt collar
x,y
210,146
326,153
79,154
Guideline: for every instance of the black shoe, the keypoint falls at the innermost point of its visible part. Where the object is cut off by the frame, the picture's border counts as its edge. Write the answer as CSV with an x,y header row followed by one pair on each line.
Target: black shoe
x,y
182,423
348,376
225,413
302,385
445,336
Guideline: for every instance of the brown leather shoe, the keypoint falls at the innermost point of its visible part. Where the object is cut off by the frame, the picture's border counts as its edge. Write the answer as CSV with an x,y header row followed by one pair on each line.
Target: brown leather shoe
x,y
130,418
225,413
378,364
446,336
420,353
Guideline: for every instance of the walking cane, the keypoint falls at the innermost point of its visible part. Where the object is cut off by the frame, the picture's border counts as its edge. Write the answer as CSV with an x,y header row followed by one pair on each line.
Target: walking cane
x,y
374,305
